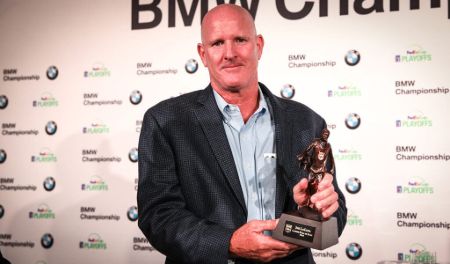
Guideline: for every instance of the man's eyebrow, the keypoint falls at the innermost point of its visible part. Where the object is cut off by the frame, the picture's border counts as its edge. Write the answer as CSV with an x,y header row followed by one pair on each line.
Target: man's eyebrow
x,y
214,40
241,37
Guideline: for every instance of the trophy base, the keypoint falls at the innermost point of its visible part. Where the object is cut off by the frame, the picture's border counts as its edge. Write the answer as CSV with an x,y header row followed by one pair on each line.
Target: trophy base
x,y
293,228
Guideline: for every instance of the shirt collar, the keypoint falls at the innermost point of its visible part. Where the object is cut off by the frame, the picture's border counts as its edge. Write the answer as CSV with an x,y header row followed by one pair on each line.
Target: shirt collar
x,y
227,109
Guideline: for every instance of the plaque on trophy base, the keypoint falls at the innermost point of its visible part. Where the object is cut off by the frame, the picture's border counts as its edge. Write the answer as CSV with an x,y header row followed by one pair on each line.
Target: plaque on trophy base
x,y
295,229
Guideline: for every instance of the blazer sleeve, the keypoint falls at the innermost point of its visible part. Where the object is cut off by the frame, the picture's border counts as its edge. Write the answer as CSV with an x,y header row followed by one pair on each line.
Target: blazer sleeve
x,y
163,218
341,213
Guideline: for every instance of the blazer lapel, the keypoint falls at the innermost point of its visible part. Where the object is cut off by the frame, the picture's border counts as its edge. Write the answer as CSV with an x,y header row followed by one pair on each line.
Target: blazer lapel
x,y
211,122
283,142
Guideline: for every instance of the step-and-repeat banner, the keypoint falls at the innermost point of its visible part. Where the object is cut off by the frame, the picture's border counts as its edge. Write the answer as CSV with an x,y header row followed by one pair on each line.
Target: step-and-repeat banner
x,y
77,77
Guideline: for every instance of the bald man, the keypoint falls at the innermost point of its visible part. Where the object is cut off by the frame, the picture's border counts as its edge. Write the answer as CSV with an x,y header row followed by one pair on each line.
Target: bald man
x,y
218,166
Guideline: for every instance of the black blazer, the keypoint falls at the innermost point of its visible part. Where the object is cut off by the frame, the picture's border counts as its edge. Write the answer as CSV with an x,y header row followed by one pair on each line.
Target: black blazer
x,y
189,197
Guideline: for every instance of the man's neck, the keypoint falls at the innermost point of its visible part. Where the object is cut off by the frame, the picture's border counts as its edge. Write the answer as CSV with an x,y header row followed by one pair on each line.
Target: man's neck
x,y
247,99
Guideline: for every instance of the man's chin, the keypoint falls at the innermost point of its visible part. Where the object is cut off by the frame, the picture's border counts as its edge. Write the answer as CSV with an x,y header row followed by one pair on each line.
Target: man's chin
x,y
233,87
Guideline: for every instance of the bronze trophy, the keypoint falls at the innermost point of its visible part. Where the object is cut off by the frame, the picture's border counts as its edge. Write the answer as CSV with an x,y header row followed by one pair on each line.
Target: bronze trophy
x,y
306,226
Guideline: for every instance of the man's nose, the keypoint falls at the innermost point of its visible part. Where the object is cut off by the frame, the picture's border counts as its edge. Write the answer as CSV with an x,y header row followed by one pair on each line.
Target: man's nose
x,y
230,52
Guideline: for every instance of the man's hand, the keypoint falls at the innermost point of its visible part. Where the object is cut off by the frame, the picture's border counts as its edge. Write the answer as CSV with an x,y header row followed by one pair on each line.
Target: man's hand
x,y
249,242
325,199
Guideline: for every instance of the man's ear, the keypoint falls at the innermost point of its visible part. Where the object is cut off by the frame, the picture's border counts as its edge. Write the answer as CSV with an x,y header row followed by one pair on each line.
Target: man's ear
x,y
201,53
259,45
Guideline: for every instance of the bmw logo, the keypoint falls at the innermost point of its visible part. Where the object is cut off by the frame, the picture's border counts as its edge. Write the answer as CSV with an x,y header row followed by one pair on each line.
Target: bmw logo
x,y
133,155
352,121
132,213
2,156
191,66
3,101
51,128
2,211
47,241
352,57
353,185
135,97
52,72
353,251
288,91
49,184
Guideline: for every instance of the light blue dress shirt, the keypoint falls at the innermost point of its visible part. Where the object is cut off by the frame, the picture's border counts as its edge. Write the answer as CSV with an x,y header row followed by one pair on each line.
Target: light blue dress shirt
x,y
253,148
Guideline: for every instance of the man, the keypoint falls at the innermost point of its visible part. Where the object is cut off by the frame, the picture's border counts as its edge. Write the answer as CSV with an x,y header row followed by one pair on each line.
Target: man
x,y
217,167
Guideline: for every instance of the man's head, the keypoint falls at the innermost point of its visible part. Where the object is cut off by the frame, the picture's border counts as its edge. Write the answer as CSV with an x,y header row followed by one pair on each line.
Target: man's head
x,y
230,48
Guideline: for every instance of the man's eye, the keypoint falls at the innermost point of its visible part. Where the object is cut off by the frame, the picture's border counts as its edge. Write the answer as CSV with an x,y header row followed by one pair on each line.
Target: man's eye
x,y
240,40
217,43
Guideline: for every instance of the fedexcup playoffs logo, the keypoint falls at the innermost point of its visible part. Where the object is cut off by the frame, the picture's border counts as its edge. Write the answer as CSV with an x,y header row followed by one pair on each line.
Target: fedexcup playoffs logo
x,y
413,54
3,101
288,91
45,155
345,91
132,213
414,120
96,183
133,155
47,241
46,100
417,254
98,70
2,156
43,212
352,121
2,211
416,186
353,185
352,57
135,97
97,127
94,242
49,184
52,72
50,128
353,251
353,219
191,66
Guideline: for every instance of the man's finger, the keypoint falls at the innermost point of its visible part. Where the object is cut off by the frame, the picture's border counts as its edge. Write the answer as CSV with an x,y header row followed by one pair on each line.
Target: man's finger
x,y
278,245
301,186
323,194
263,225
330,210
328,200
325,182
274,253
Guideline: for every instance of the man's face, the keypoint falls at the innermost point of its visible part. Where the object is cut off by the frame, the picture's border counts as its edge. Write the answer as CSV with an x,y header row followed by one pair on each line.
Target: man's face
x,y
230,49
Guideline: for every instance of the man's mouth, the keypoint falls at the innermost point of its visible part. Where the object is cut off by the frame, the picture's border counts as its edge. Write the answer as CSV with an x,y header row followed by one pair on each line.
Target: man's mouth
x,y
231,66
